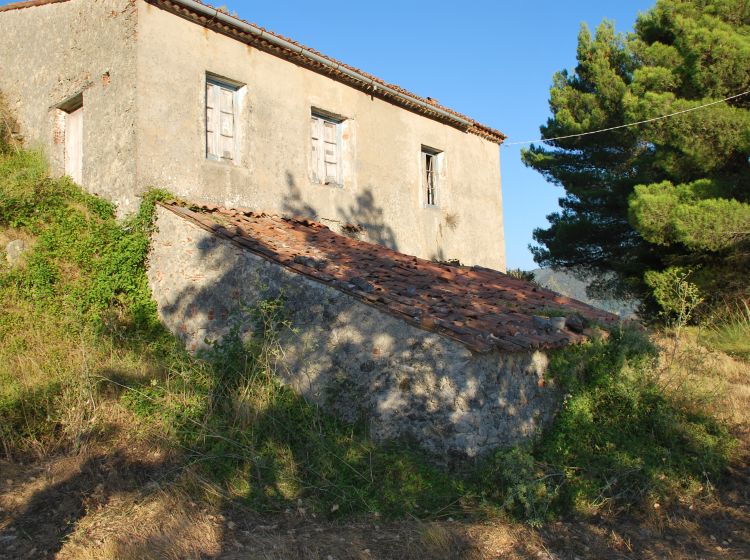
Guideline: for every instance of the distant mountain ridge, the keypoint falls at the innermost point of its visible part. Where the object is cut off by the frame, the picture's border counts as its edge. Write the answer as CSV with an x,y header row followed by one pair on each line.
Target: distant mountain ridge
x,y
567,284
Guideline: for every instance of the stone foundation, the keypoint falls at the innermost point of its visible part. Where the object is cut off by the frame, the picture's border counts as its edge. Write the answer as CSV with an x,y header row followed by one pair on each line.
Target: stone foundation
x,y
350,358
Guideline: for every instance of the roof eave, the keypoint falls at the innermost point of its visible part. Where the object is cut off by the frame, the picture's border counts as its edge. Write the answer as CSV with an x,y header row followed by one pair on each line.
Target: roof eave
x,y
226,24
28,4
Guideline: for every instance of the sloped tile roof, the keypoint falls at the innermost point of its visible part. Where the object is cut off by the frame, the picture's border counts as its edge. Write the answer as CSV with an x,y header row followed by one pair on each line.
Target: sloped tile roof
x,y
484,309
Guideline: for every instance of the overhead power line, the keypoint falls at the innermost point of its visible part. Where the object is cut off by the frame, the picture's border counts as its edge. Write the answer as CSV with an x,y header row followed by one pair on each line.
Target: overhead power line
x,y
628,125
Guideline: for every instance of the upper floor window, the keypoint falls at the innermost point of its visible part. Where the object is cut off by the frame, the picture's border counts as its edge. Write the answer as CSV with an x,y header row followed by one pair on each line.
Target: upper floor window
x,y
222,107
431,162
325,136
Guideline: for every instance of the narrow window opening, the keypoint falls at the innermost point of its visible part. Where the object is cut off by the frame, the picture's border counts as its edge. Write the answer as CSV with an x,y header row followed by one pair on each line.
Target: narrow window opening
x,y
73,143
430,175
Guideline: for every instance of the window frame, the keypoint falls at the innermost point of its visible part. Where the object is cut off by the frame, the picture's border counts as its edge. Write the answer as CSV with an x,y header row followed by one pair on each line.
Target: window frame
x,y
434,155
318,163
220,83
71,108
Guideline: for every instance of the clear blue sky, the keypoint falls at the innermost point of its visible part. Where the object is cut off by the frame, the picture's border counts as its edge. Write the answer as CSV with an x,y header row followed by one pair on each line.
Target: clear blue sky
x,y
492,60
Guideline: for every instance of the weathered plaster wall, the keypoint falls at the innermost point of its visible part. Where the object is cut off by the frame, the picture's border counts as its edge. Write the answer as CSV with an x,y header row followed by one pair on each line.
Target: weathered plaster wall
x,y
348,356
50,53
382,180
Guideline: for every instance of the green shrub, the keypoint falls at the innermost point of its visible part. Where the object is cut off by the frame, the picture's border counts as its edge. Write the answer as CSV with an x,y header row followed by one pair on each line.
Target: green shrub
x,y
620,438
523,486
675,294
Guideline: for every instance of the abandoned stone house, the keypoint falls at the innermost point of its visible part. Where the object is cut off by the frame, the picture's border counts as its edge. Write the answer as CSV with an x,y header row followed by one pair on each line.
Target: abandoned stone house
x,y
129,94
278,151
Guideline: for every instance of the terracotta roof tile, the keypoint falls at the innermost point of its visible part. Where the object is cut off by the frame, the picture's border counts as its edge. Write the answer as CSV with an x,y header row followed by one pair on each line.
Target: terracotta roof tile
x,y
482,308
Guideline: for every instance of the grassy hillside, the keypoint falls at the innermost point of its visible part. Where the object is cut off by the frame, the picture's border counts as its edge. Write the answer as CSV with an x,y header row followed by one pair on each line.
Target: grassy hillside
x,y
85,363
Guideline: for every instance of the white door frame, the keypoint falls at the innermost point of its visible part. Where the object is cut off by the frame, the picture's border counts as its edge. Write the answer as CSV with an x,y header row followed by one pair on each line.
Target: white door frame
x,y
74,140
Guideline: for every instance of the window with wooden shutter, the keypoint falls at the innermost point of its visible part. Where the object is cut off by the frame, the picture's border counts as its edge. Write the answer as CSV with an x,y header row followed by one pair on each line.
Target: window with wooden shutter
x,y
221,114
325,136
431,160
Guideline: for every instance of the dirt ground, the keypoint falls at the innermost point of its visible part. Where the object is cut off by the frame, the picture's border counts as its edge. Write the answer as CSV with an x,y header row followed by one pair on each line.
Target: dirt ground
x,y
101,504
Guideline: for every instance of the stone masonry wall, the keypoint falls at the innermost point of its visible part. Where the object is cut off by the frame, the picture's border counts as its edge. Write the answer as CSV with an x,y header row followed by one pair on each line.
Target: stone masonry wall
x,y
350,358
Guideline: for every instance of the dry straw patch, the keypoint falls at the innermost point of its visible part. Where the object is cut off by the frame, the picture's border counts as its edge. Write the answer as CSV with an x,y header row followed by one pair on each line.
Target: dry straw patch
x,y
38,351
166,525
9,130
709,380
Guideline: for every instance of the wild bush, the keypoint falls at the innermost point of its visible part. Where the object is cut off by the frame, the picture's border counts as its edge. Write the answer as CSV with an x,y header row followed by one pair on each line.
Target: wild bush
x,y
621,439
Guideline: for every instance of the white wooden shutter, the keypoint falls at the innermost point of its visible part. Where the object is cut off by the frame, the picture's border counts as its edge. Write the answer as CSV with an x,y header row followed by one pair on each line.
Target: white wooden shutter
x,y
220,126
212,142
316,141
226,148
331,148
430,177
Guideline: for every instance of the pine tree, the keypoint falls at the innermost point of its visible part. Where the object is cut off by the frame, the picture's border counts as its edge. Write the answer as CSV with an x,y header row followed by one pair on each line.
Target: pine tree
x,y
672,193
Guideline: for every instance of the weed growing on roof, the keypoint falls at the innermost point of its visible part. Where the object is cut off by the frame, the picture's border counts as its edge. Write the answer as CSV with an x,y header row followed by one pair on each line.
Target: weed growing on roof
x,y
80,338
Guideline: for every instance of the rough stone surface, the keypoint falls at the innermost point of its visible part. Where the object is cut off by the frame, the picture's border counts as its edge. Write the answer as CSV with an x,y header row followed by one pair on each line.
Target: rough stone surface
x,y
53,52
14,250
349,357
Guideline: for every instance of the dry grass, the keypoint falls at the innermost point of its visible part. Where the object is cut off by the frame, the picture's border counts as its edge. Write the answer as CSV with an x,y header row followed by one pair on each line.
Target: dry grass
x,y
63,367
8,126
166,525
713,381
442,540
729,331
118,519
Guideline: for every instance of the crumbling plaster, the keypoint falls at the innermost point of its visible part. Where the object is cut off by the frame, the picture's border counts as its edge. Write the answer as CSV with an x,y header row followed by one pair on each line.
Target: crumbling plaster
x,y
351,358
52,52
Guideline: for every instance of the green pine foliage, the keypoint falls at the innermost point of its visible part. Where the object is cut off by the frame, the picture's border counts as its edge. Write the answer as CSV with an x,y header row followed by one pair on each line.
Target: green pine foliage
x,y
669,193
